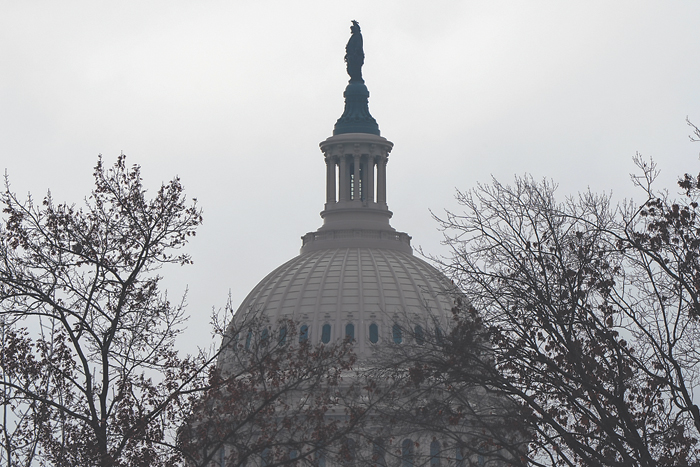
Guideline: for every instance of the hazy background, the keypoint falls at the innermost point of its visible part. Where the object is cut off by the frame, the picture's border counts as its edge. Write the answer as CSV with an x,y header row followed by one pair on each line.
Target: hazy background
x,y
234,97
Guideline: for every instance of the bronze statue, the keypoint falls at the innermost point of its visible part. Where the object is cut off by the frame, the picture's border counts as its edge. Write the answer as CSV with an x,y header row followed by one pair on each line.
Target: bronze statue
x,y
356,117
354,54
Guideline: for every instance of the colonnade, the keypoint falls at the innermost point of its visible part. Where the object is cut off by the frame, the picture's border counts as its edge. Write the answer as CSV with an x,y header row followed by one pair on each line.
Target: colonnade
x,y
356,178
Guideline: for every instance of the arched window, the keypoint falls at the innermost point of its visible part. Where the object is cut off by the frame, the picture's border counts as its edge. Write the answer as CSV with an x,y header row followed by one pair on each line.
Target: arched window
x,y
222,457
378,453
304,333
326,333
248,339
438,335
435,453
350,331
266,457
418,332
320,458
350,449
283,335
407,453
397,334
373,333
265,336
459,456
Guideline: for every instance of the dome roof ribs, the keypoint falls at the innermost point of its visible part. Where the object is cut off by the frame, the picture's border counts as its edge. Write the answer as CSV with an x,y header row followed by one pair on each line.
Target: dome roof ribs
x,y
382,302
341,289
399,289
315,266
360,285
322,283
291,283
427,288
280,277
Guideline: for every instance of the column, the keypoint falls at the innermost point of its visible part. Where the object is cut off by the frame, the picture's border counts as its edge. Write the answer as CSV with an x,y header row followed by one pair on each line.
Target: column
x,y
381,179
356,178
330,179
369,177
343,179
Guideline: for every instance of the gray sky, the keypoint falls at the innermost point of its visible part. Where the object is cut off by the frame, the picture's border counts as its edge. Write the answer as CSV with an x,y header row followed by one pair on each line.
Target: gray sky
x,y
234,97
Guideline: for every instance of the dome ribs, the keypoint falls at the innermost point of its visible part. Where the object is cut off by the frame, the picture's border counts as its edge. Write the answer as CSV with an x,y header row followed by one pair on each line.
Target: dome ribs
x,y
290,285
397,282
316,320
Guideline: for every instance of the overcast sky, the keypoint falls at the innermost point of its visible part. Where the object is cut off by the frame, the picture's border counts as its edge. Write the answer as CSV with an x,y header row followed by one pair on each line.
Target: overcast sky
x,y
234,97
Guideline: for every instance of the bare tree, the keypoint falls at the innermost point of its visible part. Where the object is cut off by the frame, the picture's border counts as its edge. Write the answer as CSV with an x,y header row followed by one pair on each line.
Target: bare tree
x,y
582,314
275,398
89,372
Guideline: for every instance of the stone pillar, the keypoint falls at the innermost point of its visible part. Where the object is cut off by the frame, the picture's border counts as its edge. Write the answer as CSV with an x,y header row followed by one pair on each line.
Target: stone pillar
x,y
356,178
369,178
381,179
330,179
343,179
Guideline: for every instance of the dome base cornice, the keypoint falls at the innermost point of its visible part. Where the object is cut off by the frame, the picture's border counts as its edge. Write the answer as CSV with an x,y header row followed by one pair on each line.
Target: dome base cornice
x,y
356,238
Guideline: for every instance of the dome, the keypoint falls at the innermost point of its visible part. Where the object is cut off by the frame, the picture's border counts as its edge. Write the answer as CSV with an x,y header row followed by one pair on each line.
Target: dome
x,y
356,276
372,295
355,279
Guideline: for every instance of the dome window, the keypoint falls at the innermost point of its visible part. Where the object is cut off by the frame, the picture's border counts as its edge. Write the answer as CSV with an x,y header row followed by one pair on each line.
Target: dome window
x,y
378,452
303,333
248,338
373,333
418,334
459,456
435,453
350,331
283,336
438,335
350,450
266,457
397,334
326,333
320,458
407,453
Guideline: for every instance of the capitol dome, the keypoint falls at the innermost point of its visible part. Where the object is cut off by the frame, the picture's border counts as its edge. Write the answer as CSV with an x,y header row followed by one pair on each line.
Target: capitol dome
x,y
356,276
355,281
